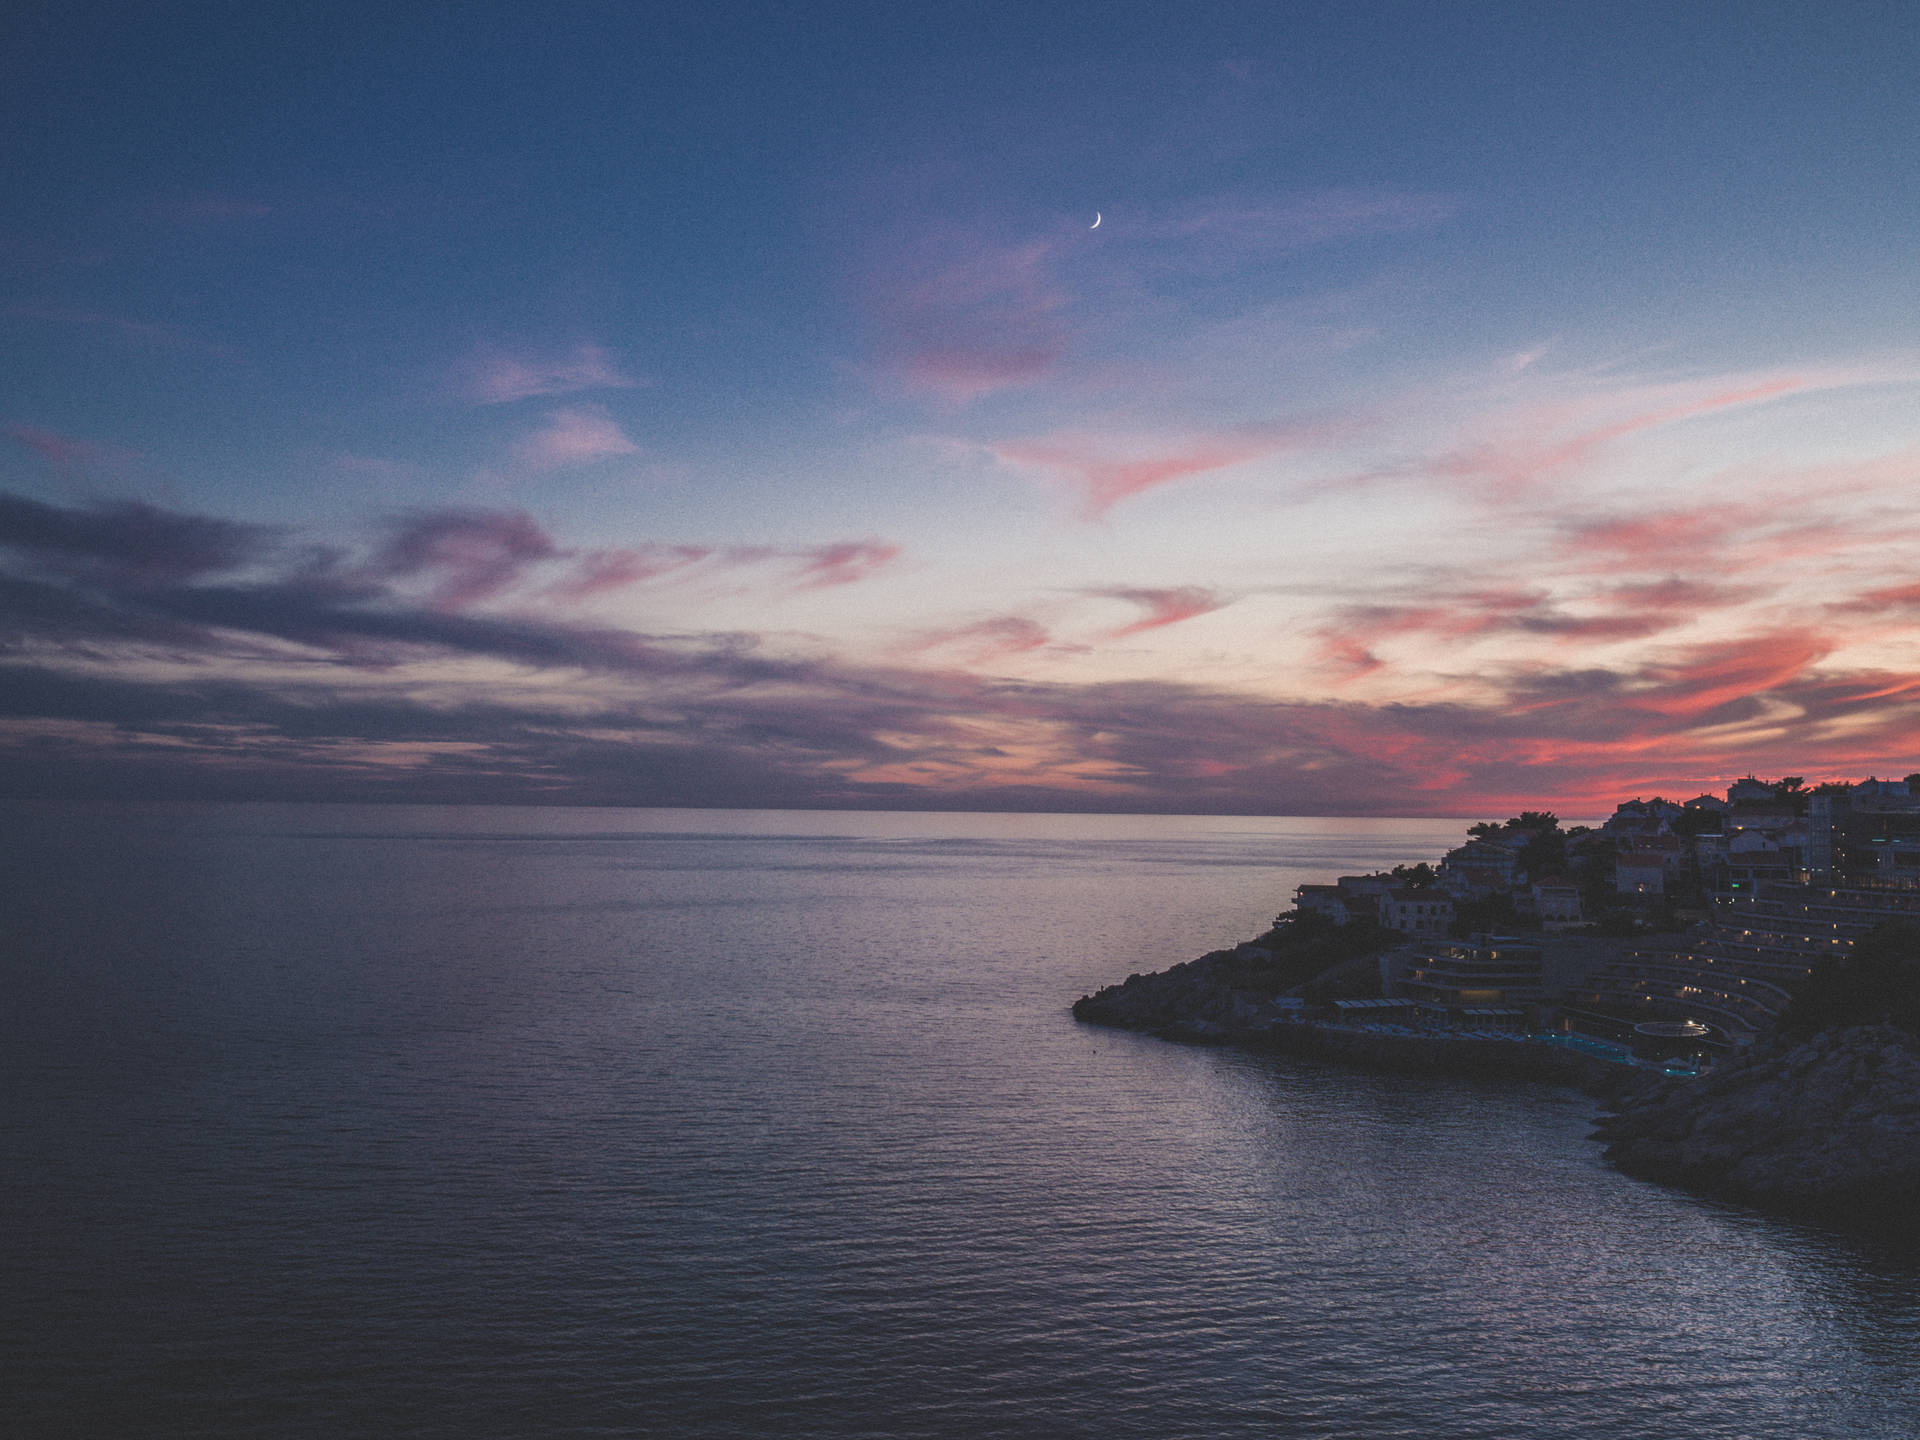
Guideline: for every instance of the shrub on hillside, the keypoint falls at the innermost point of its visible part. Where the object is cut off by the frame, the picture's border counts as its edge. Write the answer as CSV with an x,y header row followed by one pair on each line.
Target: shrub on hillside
x,y
1876,983
1303,945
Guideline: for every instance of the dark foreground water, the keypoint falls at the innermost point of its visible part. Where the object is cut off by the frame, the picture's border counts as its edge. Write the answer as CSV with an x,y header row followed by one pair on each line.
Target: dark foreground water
x,y
426,1122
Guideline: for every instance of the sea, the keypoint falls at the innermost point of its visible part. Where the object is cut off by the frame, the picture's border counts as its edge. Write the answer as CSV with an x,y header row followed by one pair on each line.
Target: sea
x,y
468,1122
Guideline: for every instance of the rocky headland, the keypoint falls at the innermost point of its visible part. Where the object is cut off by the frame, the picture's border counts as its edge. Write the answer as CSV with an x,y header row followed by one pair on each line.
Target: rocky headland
x,y
1198,1000
1824,1128
1813,1106
1233,997
1827,1129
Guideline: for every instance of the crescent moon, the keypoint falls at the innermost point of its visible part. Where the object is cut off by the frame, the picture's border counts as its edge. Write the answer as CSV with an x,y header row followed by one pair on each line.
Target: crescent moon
x,y
1096,221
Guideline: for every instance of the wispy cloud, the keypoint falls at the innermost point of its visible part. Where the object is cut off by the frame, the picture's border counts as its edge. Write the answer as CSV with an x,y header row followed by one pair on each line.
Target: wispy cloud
x,y
1653,539
1531,447
701,723
64,452
845,562
1709,678
1163,607
499,377
956,319
347,680
987,640
1721,539
469,555
571,438
813,567
1595,616
601,572
1105,471
957,312
129,542
444,561
1883,600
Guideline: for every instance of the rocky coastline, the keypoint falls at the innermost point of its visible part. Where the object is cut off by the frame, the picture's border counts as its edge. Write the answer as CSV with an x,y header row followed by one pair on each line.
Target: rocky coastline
x,y
1199,1003
1827,1129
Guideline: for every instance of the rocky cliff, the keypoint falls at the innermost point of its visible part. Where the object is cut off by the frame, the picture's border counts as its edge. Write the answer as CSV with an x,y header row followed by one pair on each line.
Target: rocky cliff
x,y
1828,1129
1194,1001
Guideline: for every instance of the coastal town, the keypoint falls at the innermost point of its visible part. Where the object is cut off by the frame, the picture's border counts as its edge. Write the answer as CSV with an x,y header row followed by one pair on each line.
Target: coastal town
x,y
1737,974
1674,930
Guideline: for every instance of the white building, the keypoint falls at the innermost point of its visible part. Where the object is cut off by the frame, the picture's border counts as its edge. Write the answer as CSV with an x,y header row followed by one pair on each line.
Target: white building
x,y
1417,912
1557,903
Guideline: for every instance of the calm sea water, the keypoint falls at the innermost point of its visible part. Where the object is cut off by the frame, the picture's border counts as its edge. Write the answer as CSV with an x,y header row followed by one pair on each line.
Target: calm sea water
x,y
434,1122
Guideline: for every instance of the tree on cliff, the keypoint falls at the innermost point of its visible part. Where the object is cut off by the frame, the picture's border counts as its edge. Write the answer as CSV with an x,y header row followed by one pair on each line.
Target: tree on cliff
x,y
1300,946
1493,914
1876,983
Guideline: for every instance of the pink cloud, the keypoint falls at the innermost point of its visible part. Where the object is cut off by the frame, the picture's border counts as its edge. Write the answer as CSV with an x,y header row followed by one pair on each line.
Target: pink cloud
x,y
600,571
75,458
495,377
961,373
824,730
1677,596
813,567
843,563
1105,477
986,640
1351,654
1892,597
1163,607
1603,617
1348,643
1712,676
956,315
475,554
1600,628
1655,539
957,320
572,438
1531,453
1760,534
62,450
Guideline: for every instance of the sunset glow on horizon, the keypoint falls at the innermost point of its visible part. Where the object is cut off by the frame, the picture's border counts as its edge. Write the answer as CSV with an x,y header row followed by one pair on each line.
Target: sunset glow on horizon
x,y
731,405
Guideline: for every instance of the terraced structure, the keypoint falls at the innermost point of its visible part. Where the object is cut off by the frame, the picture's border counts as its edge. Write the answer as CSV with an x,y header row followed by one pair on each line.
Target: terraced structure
x,y
1738,971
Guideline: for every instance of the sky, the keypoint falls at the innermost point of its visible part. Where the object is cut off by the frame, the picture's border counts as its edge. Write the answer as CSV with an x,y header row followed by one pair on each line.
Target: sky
x,y
1454,409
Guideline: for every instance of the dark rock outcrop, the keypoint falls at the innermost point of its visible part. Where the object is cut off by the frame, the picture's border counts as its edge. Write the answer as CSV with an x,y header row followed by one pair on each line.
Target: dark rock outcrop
x,y
1194,1001
1828,1130
1201,1001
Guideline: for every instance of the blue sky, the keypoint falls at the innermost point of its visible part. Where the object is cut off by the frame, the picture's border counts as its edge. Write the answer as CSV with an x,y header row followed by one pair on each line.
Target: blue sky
x,y
717,404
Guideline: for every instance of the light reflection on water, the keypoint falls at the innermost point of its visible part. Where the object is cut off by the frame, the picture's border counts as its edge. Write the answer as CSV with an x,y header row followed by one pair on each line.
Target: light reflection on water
x,y
441,1122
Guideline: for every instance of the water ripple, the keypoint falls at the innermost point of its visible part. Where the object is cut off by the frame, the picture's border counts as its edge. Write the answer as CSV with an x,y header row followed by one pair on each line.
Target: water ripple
x,y
456,1123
